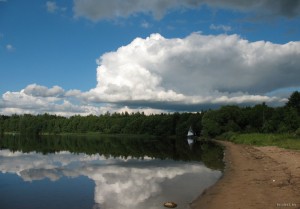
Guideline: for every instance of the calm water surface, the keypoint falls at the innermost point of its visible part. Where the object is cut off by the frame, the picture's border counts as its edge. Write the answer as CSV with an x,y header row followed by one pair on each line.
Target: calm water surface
x,y
115,173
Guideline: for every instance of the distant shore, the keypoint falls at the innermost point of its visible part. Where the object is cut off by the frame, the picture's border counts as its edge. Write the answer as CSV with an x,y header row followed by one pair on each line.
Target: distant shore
x,y
87,134
255,178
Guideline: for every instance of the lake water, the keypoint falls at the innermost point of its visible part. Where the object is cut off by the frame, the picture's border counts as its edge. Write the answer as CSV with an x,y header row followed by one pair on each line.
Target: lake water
x,y
106,173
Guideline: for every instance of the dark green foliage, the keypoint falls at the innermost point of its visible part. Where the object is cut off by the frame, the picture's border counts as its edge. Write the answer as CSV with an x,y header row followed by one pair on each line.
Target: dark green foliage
x,y
294,101
257,119
211,124
116,123
297,132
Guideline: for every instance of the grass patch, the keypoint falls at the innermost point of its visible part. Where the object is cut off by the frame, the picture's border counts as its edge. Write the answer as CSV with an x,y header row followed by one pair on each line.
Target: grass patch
x,y
288,141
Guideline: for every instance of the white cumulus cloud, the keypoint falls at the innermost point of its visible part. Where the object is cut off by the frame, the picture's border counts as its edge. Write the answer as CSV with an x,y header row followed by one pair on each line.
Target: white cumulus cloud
x,y
198,69
156,74
43,91
36,99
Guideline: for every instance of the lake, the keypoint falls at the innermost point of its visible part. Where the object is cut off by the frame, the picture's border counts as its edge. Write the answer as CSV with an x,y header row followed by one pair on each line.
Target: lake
x,y
104,172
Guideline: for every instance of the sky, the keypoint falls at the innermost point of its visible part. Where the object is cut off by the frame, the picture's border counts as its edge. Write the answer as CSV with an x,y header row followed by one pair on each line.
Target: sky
x,y
86,57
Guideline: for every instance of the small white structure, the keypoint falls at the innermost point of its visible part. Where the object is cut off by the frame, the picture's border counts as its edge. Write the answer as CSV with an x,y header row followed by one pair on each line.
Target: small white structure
x,y
190,132
190,136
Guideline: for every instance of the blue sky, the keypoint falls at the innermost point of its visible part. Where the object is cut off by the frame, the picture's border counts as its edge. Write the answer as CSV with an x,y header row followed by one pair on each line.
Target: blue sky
x,y
83,57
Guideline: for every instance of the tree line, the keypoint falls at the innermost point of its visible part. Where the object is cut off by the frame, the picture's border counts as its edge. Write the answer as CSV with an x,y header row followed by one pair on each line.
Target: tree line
x,y
257,119
116,123
230,118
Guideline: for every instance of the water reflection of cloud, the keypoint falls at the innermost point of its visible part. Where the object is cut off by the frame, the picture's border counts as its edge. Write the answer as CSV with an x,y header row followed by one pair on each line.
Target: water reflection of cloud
x,y
130,187
39,174
119,183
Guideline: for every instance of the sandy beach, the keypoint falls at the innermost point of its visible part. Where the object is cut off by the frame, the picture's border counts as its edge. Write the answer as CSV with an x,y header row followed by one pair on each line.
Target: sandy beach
x,y
255,178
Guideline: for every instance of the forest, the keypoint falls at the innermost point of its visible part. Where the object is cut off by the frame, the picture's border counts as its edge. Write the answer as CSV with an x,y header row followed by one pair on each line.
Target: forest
x,y
116,123
210,123
257,119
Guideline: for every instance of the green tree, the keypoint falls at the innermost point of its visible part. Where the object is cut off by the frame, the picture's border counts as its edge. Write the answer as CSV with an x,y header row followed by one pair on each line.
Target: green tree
x,y
294,101
291,120
231,118
211,124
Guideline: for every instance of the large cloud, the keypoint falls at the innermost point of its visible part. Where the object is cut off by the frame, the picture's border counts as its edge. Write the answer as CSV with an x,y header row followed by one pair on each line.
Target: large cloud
x,y
156,74
101,9
198,69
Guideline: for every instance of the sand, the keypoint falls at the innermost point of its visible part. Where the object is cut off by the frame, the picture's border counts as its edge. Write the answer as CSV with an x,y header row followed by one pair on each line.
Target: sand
x,y
255,178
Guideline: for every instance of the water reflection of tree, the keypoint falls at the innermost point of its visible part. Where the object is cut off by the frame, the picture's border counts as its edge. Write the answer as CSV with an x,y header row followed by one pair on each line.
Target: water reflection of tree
x,y
136,147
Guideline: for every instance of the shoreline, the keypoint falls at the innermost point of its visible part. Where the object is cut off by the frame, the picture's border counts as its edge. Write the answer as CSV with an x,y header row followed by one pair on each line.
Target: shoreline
x,y
254,178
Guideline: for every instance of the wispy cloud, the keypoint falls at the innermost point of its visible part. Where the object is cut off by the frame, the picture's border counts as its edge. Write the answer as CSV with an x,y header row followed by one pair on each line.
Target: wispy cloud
x,y
51,6
145,24
225,28
10,48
